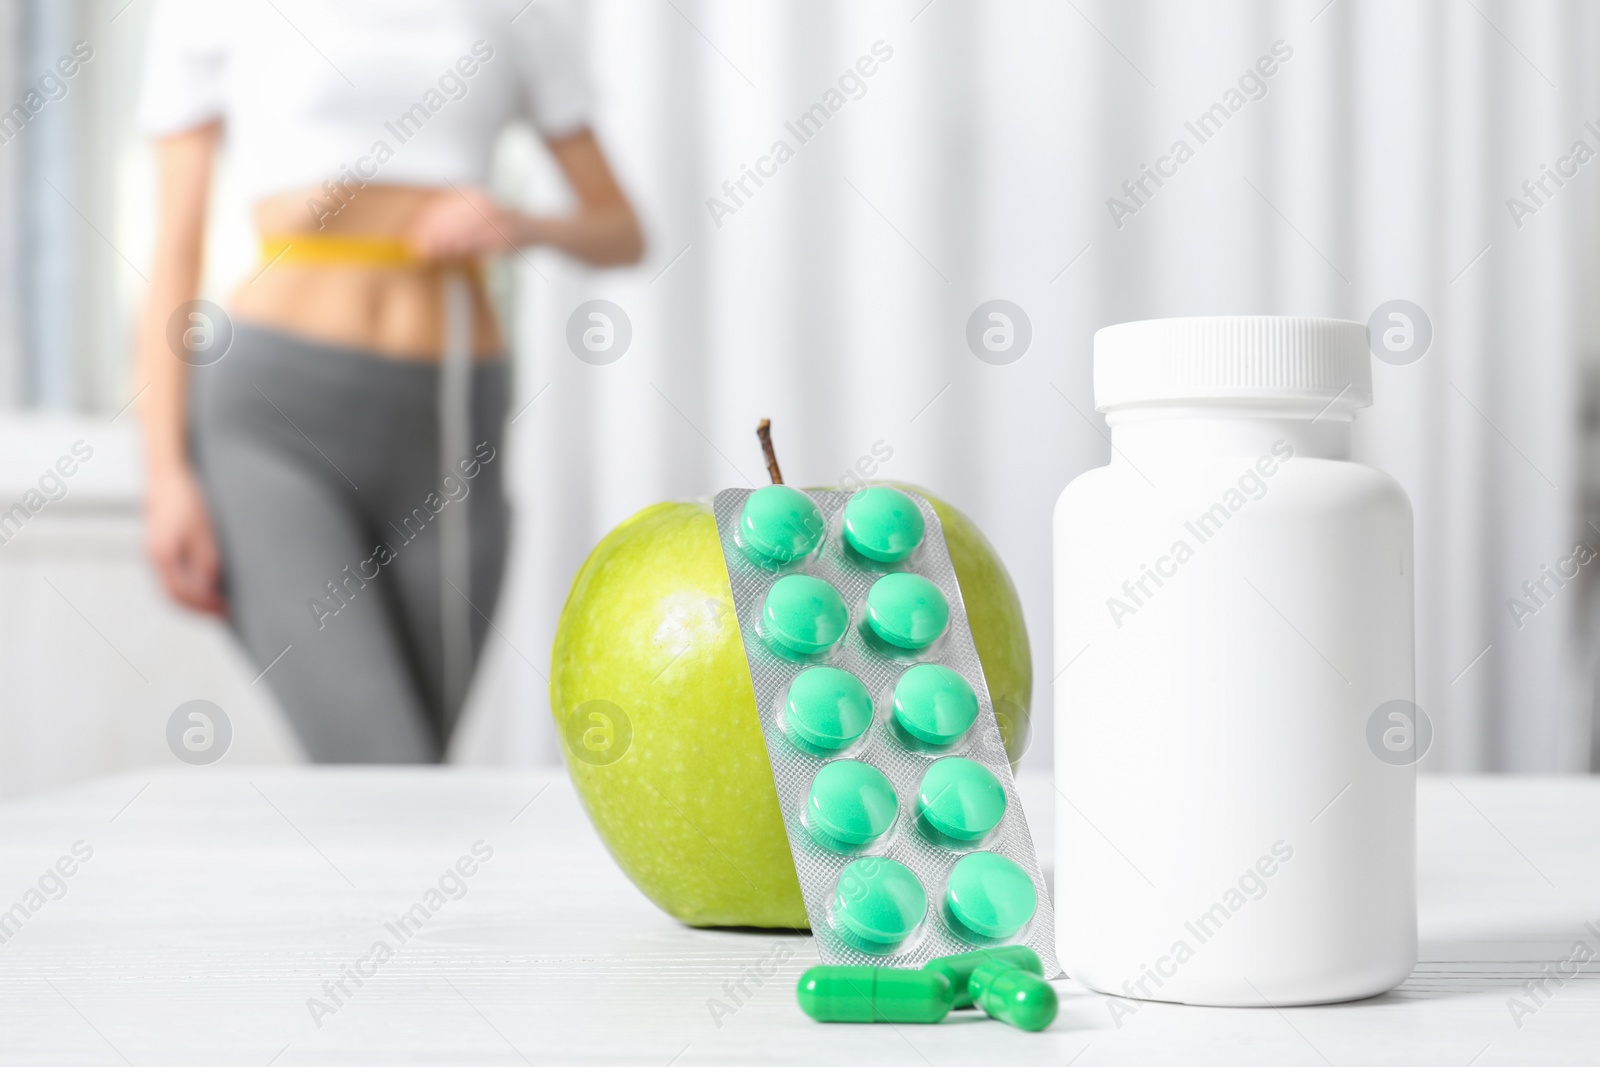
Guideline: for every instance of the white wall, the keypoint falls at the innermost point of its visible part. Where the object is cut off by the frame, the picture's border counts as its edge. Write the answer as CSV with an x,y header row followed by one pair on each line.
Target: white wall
x,y
94,658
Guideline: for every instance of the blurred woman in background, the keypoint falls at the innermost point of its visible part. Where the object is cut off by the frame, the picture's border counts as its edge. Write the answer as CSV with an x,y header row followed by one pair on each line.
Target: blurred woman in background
x,y
313,475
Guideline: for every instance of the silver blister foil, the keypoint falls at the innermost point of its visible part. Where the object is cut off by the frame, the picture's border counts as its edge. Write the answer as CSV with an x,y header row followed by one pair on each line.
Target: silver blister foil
x,y
793,770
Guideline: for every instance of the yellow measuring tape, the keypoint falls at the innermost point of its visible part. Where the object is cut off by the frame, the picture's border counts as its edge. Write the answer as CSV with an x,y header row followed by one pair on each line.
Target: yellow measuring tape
x,y
349,250
329,249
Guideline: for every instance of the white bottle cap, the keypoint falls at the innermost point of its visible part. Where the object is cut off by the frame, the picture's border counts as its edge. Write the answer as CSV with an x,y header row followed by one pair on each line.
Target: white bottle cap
x,y
1254,358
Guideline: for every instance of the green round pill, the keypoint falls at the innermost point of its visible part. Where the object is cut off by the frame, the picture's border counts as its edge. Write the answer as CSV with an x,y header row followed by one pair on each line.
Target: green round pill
x,y
803,615
883,524
959,801
907,611
989,898
780,524
851,804
826,710
878,904
934,704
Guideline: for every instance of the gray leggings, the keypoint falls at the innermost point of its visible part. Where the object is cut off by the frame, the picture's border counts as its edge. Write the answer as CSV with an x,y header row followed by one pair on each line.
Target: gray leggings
x,y
321,469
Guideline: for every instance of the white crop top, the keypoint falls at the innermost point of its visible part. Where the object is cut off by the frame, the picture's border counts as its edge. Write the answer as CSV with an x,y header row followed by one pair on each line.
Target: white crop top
x,y
396,92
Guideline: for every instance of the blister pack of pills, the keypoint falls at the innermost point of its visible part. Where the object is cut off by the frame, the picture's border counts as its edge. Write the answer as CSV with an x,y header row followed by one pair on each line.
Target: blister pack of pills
x,y
903,818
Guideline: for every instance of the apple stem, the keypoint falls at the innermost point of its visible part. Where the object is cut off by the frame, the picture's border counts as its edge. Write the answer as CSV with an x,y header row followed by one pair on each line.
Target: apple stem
x,y
764,432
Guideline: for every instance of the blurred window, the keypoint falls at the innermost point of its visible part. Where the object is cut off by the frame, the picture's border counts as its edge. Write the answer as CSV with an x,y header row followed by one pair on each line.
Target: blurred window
x,y
71,163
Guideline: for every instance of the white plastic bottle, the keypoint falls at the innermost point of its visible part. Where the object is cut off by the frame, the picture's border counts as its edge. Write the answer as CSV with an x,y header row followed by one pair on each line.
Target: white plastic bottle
x,y
1233,618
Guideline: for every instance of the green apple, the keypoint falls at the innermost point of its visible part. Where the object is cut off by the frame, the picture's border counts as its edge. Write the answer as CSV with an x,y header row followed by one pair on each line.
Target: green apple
x,y
653,702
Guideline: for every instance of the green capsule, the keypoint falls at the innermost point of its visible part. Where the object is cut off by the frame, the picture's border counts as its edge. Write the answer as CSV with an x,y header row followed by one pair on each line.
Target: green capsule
x,y
873,995
958,969
1013,996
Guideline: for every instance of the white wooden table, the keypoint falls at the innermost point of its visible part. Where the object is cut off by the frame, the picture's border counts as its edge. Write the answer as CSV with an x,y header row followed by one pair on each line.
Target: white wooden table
x,y
217,902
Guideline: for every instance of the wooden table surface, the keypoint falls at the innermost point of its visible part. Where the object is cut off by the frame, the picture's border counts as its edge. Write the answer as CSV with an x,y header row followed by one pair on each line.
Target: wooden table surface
x,y
215,903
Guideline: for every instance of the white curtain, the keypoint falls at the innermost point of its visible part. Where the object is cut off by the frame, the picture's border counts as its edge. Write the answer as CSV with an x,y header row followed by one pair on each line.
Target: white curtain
x,y
977,164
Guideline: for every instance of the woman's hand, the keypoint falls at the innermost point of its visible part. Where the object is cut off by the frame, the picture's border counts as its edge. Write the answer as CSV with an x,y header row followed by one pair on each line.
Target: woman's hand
x,y
181,543
603,232
465,224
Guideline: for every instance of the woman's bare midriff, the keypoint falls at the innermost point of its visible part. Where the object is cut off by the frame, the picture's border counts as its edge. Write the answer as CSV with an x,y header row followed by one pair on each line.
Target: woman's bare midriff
x,y
394,311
